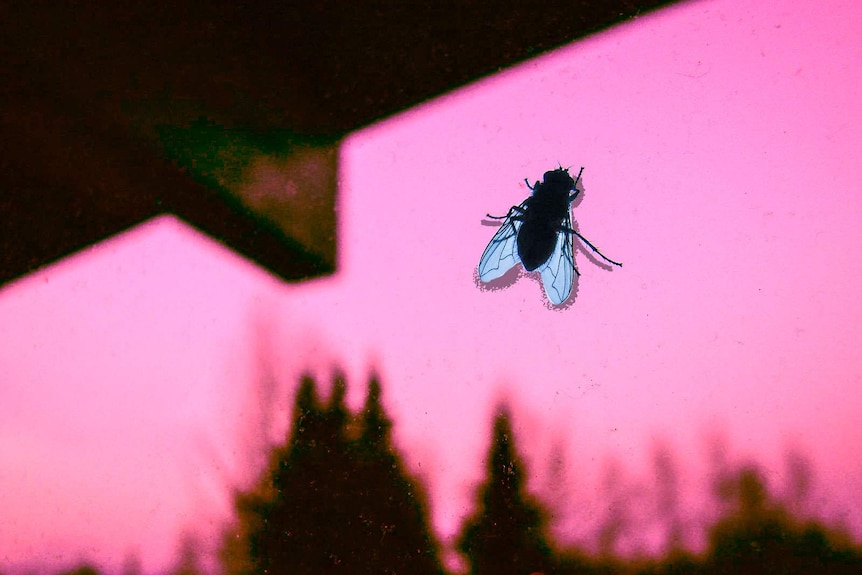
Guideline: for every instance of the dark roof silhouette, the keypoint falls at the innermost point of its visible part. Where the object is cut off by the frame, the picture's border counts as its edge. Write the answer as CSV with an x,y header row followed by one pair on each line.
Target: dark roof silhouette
x,y
87,91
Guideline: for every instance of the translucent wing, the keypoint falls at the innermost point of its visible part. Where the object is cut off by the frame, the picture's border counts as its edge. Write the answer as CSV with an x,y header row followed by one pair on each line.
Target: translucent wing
x,y
558,273
502,251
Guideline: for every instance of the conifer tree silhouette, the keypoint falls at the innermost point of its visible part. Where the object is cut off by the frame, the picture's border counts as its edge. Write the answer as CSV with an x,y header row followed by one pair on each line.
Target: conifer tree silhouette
x,y
336,471
398,539
295,531
334,503
506,535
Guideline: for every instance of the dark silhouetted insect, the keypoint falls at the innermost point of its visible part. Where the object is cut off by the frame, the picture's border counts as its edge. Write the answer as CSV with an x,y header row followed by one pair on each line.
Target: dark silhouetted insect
x,y
538,233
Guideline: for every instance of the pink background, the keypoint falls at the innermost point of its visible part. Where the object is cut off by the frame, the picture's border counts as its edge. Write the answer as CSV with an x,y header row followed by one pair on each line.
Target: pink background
x,y
721,144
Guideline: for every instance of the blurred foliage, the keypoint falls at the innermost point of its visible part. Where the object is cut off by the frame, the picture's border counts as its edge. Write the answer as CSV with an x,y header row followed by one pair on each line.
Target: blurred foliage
x,y
85,569
759,535
336,498
506,534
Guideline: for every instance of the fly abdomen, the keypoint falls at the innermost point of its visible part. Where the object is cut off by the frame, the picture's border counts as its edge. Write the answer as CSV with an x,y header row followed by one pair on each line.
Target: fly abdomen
x,y
535,245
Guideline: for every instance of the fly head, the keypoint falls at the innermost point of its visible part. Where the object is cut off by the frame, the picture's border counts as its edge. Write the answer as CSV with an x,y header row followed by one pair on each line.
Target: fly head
x,y
559,179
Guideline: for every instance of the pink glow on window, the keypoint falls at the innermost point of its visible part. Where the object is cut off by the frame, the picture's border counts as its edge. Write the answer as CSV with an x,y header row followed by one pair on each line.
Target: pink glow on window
x,y
720,141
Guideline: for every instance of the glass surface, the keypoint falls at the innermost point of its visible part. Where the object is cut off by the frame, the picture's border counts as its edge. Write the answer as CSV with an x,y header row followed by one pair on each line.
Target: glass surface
x,y
145,379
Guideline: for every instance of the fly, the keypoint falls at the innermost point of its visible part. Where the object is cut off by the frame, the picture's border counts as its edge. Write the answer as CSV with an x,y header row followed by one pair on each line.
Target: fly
x,y
538,233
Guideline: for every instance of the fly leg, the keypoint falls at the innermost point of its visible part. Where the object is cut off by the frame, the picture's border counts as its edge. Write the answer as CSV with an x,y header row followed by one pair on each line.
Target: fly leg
x,y
515,212
575,187
592,247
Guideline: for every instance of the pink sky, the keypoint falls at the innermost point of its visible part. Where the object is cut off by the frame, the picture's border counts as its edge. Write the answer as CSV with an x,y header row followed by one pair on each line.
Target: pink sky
x,y
721,145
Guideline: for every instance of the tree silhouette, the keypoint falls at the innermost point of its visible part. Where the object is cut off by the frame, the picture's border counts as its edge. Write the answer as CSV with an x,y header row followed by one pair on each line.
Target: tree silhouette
x,y
85,569
760,536
507,532
266,536
335,503
292,516
397,537
188,560
667,497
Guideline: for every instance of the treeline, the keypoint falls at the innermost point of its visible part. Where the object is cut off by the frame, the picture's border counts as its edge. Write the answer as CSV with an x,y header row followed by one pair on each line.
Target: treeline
x,y
337,499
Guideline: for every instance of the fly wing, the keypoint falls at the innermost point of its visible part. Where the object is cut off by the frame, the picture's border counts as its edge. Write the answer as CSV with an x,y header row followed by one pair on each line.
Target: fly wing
x,y
558,273
502,251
